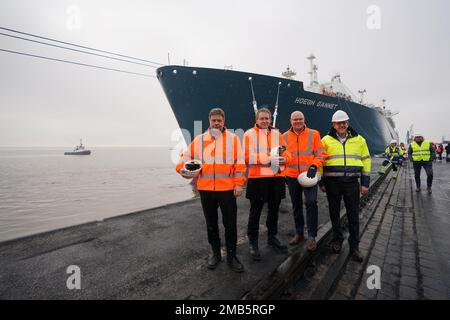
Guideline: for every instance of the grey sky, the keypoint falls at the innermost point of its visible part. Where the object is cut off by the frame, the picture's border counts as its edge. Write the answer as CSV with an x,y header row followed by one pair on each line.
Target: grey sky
x,y
44,103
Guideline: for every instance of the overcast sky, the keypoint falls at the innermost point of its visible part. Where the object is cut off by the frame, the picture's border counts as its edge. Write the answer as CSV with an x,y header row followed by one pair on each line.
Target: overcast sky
x,y
45,103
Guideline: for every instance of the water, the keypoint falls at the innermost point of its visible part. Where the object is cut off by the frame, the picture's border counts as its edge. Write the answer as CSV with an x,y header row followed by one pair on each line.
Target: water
x,y
41,189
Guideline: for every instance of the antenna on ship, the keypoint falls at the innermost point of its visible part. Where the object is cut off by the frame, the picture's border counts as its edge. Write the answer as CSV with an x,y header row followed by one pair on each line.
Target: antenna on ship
x,y
313,70
255,105
288,74
361,92
275,113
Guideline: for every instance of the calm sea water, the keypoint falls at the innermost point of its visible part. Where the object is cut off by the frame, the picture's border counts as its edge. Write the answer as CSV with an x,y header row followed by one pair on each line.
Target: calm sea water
x,y
42,189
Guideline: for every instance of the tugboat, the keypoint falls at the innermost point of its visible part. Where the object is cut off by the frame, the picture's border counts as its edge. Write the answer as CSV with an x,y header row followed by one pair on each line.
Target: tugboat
x,y
78,151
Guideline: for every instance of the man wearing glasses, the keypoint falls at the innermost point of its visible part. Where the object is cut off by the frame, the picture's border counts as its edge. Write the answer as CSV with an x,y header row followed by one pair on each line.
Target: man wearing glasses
x,y
348,159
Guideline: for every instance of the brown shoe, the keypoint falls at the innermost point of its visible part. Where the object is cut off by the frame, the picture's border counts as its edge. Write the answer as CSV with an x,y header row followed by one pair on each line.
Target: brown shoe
x,y
297,239
417,189
311,245
429,190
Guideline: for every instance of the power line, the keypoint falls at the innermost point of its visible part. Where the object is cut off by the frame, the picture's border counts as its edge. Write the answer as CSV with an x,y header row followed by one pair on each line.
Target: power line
x,y
95,54
77,63
80,46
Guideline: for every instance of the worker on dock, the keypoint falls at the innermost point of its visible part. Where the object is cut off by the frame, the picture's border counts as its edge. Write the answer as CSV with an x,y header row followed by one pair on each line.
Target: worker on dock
x,y
308,155
394,155
439,152
220,180
348,159
405,153
422,154
266,157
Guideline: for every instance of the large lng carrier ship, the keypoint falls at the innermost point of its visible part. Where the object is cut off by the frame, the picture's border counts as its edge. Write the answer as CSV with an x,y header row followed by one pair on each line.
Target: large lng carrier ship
x,y
193,91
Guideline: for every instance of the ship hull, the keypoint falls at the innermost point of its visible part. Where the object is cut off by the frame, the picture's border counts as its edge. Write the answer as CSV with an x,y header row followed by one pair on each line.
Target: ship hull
x,y
78,153
192,92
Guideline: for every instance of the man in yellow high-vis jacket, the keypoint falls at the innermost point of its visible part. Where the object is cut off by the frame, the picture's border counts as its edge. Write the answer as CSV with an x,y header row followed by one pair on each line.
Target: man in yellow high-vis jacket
x,y
348,160
422,154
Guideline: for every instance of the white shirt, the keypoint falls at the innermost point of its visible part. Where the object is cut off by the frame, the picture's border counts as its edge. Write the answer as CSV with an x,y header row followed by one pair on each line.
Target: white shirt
x,y
342,140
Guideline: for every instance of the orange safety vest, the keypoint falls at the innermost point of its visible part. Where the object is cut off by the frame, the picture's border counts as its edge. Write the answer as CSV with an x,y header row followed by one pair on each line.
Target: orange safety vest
x,y
258,147
306,149
223,165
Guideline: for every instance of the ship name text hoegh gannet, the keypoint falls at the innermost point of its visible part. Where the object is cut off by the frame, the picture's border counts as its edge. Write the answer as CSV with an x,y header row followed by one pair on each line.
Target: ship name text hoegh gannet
x,y
312,103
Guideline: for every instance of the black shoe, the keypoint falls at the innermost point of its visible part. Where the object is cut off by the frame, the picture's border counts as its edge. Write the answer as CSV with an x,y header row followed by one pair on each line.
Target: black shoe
x,y
429,190
254,252
235,264
357,256
214,260
276,244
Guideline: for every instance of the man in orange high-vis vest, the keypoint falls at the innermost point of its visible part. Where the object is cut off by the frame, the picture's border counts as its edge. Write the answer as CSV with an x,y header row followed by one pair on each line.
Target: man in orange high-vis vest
x,y
219,183
308,154
265,157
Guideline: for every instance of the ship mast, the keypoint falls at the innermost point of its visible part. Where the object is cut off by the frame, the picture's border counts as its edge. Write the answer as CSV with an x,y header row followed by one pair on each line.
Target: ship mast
x,y
288,74
361,92
313,70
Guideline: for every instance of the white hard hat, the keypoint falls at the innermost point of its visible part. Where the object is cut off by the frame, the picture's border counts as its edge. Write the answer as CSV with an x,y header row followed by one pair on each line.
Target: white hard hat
x,y
340,116
308,182
418,134
393,141
193,167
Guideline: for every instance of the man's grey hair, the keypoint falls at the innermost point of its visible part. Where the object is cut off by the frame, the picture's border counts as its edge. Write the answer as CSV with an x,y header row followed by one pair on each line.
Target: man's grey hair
x,y
263,110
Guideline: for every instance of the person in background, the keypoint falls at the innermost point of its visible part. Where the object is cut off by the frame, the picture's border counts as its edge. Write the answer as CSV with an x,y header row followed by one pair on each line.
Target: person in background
x,y
422,154
439,152
394,155
405,152
447,152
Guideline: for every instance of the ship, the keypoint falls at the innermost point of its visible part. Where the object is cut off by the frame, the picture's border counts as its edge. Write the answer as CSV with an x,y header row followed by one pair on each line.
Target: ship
x,y
193,91
79,150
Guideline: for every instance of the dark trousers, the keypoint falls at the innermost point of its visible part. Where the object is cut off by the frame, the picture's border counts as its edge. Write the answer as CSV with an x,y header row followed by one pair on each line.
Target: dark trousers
x,y
256,206
428,166
296,192
349,190
211,200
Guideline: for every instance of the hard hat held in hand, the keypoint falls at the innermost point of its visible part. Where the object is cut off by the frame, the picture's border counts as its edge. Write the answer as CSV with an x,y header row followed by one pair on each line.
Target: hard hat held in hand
x,y
192,168
308,182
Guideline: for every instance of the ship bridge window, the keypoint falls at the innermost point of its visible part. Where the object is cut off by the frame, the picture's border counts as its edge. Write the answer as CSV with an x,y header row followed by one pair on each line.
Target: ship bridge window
x,y
159,74
175,71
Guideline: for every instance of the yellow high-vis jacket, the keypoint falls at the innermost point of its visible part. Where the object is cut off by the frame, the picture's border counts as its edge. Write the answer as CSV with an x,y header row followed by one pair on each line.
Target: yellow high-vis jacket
x,y
349,159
